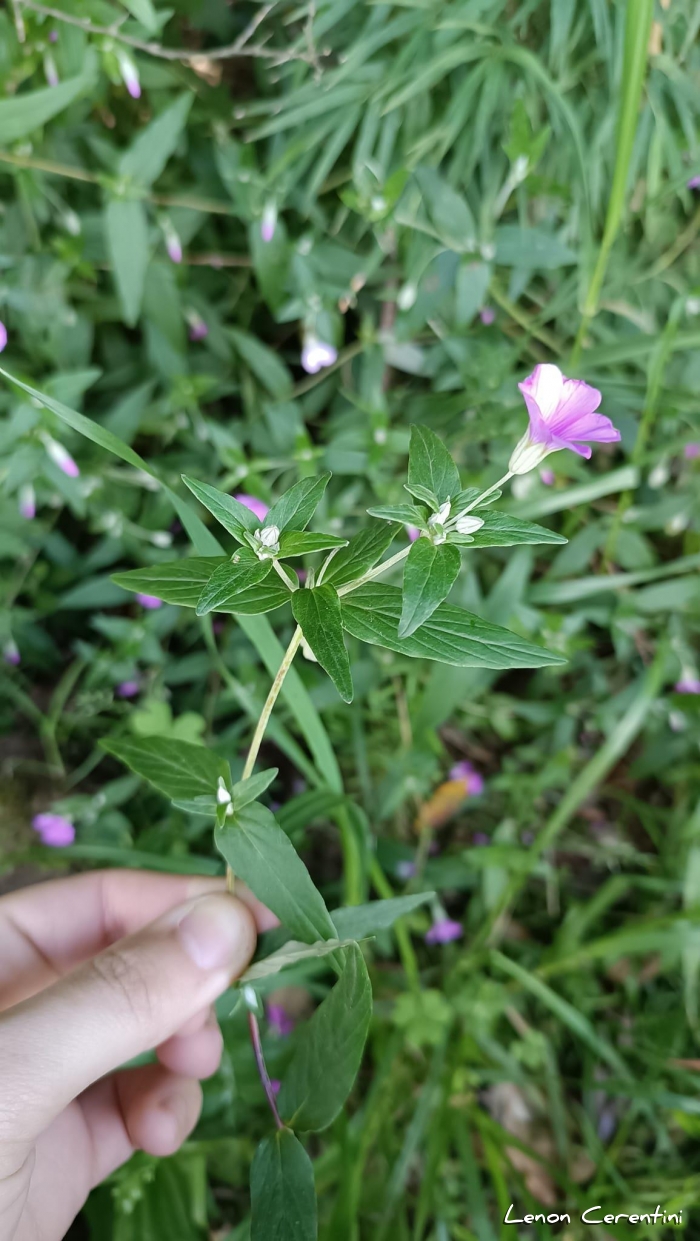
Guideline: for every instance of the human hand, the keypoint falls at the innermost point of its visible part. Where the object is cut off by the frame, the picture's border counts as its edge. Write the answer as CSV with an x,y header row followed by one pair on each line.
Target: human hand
x,y
95,970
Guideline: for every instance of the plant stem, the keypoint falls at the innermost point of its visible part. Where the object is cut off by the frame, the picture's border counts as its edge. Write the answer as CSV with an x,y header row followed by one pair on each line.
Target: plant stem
x,y
403,939
489,491
262,1067
375,572
270,702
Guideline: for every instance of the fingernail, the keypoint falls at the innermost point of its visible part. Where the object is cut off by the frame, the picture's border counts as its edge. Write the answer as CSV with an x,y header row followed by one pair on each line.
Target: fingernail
x,y
217,933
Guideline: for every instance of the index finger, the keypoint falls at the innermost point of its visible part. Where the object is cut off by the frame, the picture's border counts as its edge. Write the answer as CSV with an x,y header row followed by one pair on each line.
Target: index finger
x,y
49,928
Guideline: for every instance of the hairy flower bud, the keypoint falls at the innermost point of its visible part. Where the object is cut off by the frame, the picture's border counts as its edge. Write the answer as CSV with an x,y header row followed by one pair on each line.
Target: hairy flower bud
x,y
468,524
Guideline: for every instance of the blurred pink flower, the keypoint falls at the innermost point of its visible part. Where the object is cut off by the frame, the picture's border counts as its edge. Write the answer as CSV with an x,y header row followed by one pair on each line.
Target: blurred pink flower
x,y
317,354
413,533
688,685
694,182
61,457
279,1020
53,36
3,336
198,328
547,477
128,689
149,601
129,72
27,502
691,452
10,653
259,507
473,780
174,248
562,415
444,931
269,222
54,830
487,315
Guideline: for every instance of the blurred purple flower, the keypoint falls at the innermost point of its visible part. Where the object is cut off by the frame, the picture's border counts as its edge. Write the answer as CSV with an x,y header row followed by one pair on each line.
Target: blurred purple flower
x,y
174,248
53,36
27,502
54,830
444,931
61,457
480,838
688,685
128,689
149,601
547,477
406,869
473,780
413,533
691,452
10,653
259,507
198,328
487,315
562,415
694,182
269,222
129,72
3,336
276,1085
316,354
279,1020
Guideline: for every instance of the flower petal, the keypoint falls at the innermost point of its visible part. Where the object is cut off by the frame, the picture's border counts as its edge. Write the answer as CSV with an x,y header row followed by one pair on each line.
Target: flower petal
x,y
577,400
545,387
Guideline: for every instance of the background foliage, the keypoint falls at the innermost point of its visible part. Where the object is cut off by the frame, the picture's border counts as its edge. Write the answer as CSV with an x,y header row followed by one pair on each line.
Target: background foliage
x,y
431,166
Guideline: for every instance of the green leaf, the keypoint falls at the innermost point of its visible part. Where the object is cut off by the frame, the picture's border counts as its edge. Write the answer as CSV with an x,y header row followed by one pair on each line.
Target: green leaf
x,y
291,953
448,210
471,287
282,1191
257,849
361,554
431,466
144,13
176,581
230,513
404,514
265,597
502,530
326,1060
294,509
149,153
317,611
178,769
530,248
450,635
264,363
24,113
428,578
127,244
301,543
359,921
230,579
245,791
424,495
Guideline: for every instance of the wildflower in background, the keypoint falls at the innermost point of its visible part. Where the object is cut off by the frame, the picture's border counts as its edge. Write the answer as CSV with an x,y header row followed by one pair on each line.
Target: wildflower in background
x,y
129,72
694,182
10,653
562,415
27,502
406,869
128,689
688,684
50,70
54,829
471,778
259,507
151,602
268,223
198,328
691,452
279,1020
487,314
547,477
444,931
479,839
173,244
53,36
413,533
317,354
276,1085
60,456
3,336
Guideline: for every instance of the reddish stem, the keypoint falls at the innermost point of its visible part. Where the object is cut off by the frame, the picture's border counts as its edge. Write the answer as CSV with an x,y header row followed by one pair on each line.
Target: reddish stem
x,y
262,1067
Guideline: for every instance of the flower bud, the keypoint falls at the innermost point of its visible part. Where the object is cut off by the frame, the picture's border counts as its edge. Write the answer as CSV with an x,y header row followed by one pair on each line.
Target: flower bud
x,y
27,502
268,223
129,72
468,524
267,540
317,354
223,797
527,455
60,456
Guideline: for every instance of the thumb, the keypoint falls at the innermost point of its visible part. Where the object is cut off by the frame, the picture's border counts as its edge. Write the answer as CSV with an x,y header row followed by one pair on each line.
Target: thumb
x,y
128,999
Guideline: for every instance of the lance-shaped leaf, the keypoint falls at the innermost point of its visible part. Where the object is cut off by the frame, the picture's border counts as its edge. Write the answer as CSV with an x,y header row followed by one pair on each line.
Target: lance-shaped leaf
x,y
317,611
127,242
257,849
431,466
244,569
424,495
450,635
265,597
151,149
427,580
301,543
245,791
294,509
361,554
176,581
230,513
282,1191
180,770
326,1060
291,953
467,498
405,514
24,112
502,530
359,921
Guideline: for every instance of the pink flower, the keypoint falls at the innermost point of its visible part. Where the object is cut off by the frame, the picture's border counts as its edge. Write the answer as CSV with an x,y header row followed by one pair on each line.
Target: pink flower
x,y
547,477
27,502
562,415
413,533
149,601
473,780
128,689
276,1085
487,315
688,685
10,653
174,248
54,830
129,72
691,452
53,36
61,457
268,223
259,507
317,354
444,931
198,328
279,1020
694,182
3,336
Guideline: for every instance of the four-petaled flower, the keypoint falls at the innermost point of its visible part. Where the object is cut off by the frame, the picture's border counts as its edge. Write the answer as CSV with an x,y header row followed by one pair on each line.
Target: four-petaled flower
x,y
444,931
54,829
562,415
